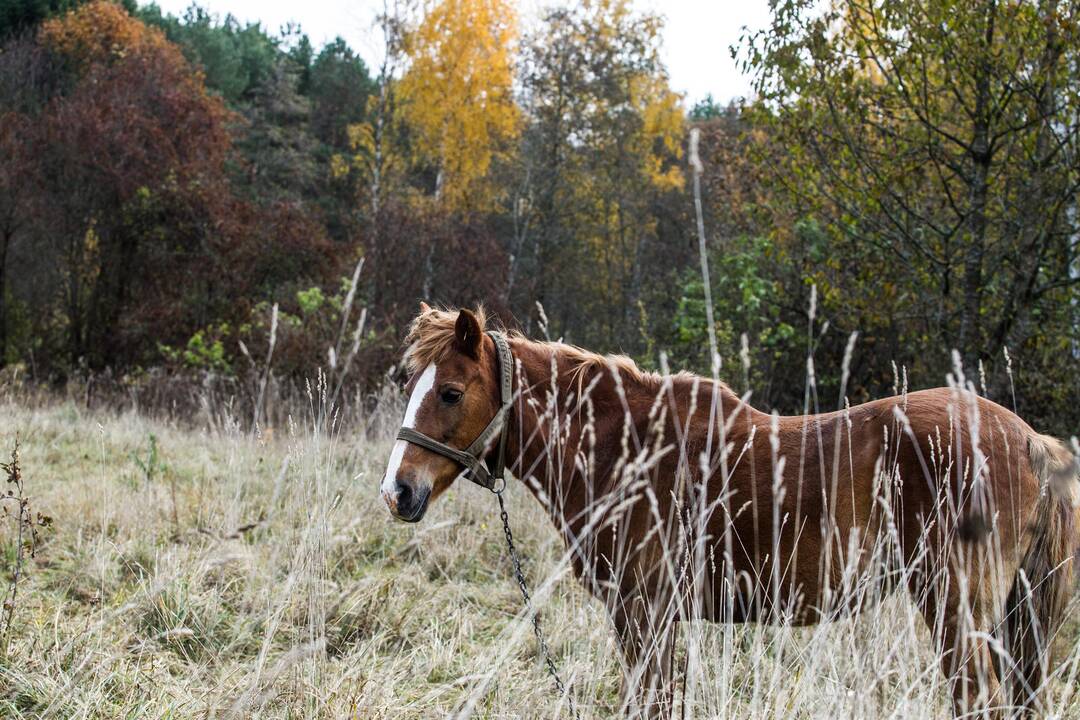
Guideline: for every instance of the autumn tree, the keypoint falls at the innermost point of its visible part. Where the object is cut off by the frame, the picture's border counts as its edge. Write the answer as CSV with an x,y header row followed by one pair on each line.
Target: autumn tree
x,y
457,96
145,240
18,16
431,138
376,156
598,170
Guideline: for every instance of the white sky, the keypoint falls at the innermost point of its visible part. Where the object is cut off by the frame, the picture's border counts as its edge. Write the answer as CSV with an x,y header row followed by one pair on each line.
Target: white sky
x,y
697,33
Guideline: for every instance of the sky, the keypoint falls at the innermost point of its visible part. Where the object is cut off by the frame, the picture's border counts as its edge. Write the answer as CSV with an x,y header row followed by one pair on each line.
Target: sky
x,y
696,39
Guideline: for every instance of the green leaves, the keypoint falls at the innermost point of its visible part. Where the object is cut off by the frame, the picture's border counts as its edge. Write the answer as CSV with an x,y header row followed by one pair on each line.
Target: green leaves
x,y
205,350
935,147
310,300
746,300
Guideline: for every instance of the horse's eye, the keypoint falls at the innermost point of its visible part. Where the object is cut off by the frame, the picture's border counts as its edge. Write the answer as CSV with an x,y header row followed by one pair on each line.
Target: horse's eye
x,y
450,396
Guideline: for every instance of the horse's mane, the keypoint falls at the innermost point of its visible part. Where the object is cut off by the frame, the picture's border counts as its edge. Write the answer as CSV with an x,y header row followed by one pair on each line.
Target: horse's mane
x,y
431,337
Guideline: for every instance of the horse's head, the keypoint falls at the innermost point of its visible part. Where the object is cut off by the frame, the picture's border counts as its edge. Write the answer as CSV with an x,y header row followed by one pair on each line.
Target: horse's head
x,y
453,394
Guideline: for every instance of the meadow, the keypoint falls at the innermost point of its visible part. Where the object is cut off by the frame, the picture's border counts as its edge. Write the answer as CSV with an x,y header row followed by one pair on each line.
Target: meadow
x,y
209,572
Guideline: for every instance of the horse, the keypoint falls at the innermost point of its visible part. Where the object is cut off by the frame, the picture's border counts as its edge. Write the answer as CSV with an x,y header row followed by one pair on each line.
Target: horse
x,y
677,500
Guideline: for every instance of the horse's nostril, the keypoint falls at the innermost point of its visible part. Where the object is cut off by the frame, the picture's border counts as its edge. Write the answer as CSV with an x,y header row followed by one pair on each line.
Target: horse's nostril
x,y
404,496
409,501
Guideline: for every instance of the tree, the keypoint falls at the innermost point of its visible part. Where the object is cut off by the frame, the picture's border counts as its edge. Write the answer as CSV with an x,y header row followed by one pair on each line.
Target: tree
x,y
599,169
18,206
18,16
135,126
938,142
458,96
146,236
706,109
236,59
296,105
377,150
339,89
279,148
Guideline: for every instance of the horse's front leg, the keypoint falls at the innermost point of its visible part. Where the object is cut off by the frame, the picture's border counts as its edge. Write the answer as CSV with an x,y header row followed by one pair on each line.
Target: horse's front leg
x,y
647,637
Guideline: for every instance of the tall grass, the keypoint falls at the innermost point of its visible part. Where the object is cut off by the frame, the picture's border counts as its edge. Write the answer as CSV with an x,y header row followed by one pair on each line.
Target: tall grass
x,y
280,588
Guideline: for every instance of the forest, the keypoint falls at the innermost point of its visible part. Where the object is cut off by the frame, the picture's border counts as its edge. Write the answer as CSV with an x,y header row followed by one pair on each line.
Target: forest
x,y
197,199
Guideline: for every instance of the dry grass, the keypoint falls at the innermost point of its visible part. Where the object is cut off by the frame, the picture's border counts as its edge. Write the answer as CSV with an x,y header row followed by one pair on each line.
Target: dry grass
x,y
277,586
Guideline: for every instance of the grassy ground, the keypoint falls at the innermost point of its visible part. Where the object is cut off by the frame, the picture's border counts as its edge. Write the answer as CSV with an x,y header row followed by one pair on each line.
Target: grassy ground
x,y
232,576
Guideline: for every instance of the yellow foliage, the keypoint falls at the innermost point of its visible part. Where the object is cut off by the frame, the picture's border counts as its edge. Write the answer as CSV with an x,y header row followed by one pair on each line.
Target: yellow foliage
x,y
339,165
361,136
362,141
854,17
100,31
371,157
662,131
458,94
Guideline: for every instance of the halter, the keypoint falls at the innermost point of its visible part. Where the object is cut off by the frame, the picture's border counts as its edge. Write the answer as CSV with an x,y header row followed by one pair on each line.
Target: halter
x,y
471,457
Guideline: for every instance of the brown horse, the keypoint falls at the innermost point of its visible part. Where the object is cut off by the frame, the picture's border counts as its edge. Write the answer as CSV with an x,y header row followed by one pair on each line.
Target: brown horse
x,y
677,500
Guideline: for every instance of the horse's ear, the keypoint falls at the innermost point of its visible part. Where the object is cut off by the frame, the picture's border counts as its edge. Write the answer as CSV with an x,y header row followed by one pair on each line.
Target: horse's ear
x,y
424,308
467,334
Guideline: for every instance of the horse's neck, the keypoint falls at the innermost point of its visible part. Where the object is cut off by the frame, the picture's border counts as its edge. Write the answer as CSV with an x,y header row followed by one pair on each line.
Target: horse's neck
x,y
535,444
547,450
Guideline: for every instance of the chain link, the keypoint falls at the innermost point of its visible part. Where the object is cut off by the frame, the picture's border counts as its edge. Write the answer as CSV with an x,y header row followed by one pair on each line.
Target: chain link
x,y
545,651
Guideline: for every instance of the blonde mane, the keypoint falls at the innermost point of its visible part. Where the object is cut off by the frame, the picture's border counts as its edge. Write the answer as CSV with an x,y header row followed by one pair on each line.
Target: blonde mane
x,y
431,338
431,335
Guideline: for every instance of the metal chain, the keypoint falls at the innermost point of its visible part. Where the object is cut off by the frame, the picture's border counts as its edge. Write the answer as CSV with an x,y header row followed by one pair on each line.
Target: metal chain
x,y
545,651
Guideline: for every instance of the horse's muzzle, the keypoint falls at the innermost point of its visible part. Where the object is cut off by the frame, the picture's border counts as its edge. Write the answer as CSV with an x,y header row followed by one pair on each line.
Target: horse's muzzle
x,y
407,503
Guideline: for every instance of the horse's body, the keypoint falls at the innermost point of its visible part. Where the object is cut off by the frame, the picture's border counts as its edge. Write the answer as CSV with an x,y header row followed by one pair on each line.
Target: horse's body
x,y
677,500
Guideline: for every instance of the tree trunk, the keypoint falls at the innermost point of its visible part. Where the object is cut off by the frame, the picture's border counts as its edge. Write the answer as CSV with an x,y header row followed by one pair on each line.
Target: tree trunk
x,y
981,154
1041,225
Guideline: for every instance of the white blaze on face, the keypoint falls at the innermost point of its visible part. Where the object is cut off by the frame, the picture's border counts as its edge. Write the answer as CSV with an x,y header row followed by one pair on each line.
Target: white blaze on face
x,y
420,391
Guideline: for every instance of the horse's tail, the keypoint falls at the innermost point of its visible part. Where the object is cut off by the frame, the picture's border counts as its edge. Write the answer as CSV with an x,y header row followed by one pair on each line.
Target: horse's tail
x,y
1043,585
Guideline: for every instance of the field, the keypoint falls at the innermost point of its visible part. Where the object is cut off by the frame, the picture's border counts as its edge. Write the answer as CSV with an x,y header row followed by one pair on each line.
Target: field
x,y
195,573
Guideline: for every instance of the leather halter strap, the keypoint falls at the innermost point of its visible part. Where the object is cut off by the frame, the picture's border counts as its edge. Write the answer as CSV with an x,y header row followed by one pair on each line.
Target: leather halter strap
x,y
471,458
